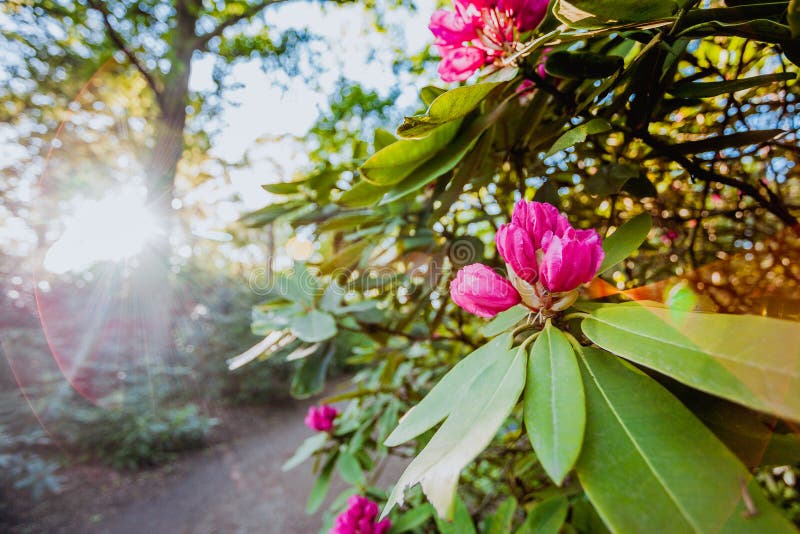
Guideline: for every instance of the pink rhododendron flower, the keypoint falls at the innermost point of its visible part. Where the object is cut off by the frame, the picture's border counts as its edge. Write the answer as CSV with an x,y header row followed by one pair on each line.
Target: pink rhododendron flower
x,y
480,290
477,32
320,418
359,518
547,260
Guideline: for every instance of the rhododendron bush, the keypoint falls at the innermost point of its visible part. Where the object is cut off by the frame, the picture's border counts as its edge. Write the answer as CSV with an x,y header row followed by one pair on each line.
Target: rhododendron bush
x,y
568,284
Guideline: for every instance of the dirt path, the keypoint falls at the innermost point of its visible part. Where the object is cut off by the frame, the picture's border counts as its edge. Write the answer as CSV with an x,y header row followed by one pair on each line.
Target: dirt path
x,y
234,486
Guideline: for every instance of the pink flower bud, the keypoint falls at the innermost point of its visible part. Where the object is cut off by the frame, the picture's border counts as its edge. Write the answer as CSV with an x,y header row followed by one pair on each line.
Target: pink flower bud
x,y
515,246
359,518
479,290
320,418
570,260
538,218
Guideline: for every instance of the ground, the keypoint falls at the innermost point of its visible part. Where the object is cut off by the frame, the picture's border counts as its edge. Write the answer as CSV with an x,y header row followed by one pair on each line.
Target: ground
x,y
235,485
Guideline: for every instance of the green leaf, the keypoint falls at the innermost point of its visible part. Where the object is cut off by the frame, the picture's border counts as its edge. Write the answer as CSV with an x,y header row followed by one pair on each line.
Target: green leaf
x,y
686,480
461,522
383,138
554,408
500,521
393,163
284,188
793,16
477,414
709,89
321,486
346,258
439,402
314,326
447,107
429,93
720,142
547,517
349,220
625,240
269,214
609,179
350,470
306,450
748,359
362,194
505,320
582,65
598,13
579,134
414,518
309,379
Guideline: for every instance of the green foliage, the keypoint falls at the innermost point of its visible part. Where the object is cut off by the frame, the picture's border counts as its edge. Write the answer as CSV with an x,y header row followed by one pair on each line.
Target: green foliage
x,y
23,468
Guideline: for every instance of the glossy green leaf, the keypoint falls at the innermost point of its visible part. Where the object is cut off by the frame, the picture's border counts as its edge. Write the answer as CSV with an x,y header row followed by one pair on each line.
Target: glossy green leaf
x,y
429,93
547,517
439,402
748,359
362,194
500,521
350,470
393,163
720,142
554,409
383,138
578,134
321,486
306,450
477,414
709,89
413,518
284,188
625,240
314,326
598,13
447,107
505,320
685,479
758,29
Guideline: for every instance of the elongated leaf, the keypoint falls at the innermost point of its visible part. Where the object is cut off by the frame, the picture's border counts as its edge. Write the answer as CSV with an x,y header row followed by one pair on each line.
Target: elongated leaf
x,y
547,517
346,258
500,521
269,213
362,195
578,134
321,486
284,188
449,106
625,240
555,412
505,320
414,518
350,470
477,414
306,450
719,142
748,359
709,89
393,163
597,13
439,402
686,480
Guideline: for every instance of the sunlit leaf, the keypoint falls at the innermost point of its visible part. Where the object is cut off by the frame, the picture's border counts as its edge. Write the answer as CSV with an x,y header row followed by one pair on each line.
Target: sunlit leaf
x,y
686,480
555,413
477,414
579,134
597,13
709,89
625,240
748,359
505,320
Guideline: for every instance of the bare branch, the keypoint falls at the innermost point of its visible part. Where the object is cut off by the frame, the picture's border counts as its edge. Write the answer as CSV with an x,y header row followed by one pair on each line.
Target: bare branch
x,y
117,39
251,11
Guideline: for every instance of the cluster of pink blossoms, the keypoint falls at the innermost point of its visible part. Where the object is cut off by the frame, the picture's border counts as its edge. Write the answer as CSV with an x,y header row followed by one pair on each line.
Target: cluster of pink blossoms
x,y
320,418
477,32
546,259
359,518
